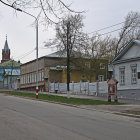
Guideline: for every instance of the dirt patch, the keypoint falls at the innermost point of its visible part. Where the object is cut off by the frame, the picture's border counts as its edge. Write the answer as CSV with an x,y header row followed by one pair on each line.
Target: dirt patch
x,y
135,112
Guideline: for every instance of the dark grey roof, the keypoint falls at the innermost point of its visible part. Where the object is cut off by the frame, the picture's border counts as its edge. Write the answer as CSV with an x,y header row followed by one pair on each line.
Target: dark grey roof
x,y
6,46
126,48
62,54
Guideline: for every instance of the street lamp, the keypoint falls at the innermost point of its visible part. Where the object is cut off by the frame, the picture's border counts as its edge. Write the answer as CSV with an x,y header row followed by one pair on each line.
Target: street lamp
x,y
36,20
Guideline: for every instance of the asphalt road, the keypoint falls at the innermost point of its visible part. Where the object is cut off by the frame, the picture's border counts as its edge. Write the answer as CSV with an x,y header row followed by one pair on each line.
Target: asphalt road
x,y
25,119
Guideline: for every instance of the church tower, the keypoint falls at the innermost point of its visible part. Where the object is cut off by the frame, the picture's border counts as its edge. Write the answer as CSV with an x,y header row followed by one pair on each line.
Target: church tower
x,y
5,52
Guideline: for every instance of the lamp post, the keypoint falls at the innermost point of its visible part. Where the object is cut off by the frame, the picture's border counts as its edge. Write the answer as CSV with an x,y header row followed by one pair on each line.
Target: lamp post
x,y
36,20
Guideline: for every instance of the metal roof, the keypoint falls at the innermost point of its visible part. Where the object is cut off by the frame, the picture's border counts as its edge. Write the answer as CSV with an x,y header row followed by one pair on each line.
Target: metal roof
x,y
63,54
11,63
125,49
60,54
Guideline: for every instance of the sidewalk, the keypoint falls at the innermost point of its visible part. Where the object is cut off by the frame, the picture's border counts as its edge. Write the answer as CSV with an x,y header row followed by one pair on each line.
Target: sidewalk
x,y
129,106
126,101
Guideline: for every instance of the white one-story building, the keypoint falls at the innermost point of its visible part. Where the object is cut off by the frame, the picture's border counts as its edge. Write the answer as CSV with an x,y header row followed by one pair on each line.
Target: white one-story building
x,y
126,70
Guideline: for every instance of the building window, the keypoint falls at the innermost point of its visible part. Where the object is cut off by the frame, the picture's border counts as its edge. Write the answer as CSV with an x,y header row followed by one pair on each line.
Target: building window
x,y
102,66
26,78
32,77
21,80
87,64
101,78
42,74
133,75
83,77
122,76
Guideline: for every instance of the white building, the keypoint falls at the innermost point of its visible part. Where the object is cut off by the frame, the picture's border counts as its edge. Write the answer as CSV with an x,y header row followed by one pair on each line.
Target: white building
x,y
126,70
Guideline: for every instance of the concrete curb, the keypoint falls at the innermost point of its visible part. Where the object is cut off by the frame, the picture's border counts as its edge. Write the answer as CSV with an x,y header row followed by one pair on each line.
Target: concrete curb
x,y
76,106
128,115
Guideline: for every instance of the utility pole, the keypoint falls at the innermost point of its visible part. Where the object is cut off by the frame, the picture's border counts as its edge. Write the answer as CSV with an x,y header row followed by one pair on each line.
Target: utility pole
x,y
36,21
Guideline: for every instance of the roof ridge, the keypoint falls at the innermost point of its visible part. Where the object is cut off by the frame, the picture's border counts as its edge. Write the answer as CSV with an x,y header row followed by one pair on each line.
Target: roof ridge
x,y
126,48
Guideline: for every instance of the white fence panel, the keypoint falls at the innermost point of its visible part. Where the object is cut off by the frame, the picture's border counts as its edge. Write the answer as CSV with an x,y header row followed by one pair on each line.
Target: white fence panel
x,y
103,88
92,88
62,87
84,88
76,88
51,87
96,88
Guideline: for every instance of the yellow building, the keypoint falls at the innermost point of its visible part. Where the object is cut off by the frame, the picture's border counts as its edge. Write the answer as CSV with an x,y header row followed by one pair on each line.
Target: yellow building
x,y
52,68
76,76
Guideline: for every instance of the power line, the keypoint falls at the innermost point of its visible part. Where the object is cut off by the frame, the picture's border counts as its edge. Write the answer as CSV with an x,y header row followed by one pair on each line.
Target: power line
x,y
26,54
114,31
109,32
105,28
110,26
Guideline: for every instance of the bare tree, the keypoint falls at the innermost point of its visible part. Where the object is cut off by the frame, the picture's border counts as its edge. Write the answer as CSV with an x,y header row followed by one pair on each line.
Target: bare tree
x,y
69,39
97,51
130,30
51,11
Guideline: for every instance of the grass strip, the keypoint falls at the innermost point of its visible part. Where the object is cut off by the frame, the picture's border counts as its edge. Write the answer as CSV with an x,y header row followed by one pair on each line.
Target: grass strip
x,y
76,101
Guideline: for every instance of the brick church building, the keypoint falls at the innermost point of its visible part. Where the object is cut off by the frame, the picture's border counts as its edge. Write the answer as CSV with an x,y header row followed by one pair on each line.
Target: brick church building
x,y
5,52
9,69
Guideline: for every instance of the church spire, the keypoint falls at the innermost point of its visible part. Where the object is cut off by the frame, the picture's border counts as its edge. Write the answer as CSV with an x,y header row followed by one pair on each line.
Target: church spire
x,y
6,45
5,52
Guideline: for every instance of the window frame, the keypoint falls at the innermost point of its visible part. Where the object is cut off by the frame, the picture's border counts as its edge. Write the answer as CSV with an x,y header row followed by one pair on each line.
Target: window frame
x,y
122,69
132,74
87,64
102,66
101,78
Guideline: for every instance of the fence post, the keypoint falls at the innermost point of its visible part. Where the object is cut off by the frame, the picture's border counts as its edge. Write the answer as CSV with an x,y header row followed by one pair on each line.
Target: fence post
x,y
49,88
54,86
97,88
73,87
58,87
85,87
80,86
88,87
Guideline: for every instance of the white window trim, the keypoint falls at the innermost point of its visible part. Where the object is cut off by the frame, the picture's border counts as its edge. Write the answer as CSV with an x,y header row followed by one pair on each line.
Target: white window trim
x,y
132,68
102,79
122,69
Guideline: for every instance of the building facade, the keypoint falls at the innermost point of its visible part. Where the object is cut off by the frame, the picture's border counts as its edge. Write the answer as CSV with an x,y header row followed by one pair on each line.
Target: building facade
x,y
126,70
9,74
52,68
9,69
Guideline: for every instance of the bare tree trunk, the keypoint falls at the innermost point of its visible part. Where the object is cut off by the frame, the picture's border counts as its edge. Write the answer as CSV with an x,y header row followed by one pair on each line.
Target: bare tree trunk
x,y
68,57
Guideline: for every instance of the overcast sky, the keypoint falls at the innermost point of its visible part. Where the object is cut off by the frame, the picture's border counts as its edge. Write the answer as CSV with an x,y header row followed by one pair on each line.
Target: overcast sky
x,y
21,33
